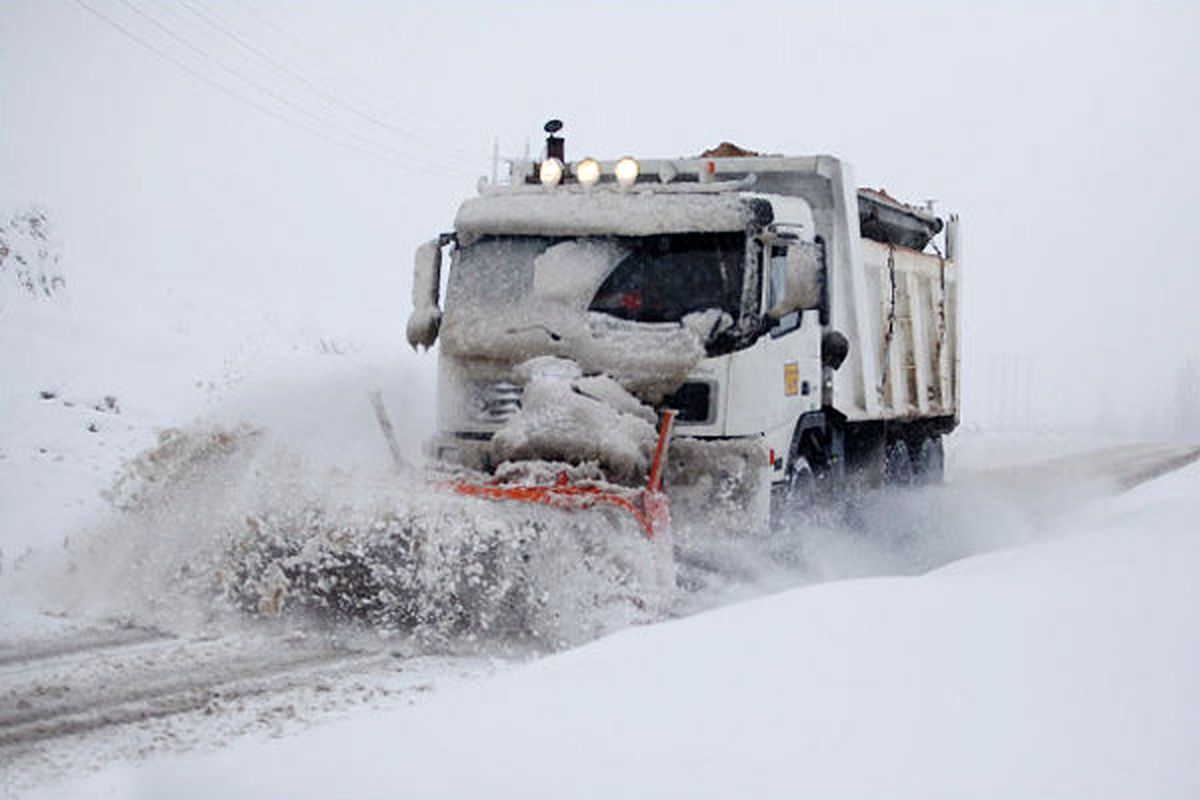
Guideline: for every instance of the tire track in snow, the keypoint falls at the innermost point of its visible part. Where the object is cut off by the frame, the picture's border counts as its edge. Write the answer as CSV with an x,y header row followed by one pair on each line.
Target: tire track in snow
x,y
33,651
1121,468
144,681
1157,464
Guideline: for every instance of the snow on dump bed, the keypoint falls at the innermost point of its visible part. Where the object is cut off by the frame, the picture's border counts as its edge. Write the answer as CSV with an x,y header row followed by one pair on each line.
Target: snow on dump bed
x,y
599,212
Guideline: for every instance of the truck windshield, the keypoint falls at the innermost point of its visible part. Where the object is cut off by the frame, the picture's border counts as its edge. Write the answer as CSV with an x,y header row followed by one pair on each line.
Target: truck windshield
x,y
664,278
642,279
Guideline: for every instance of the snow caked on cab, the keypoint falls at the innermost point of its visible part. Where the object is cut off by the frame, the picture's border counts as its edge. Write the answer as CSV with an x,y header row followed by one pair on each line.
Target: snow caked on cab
x,y
784,330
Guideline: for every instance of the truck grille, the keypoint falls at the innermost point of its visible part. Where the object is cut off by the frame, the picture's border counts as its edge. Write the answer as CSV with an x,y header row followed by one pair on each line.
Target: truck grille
x,y
497,401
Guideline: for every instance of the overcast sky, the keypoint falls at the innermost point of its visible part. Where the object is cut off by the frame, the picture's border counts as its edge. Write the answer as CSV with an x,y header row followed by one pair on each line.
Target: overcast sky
x,y
215,144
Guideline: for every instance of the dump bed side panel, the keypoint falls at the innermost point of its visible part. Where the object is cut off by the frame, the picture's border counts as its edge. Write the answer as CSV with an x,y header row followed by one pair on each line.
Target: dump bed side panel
x,y
915,298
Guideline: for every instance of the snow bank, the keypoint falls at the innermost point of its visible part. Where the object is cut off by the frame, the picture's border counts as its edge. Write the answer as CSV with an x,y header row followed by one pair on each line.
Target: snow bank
x,y
1067,668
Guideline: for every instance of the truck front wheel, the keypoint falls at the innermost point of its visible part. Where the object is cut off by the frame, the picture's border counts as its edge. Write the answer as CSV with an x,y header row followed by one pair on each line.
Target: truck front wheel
x,y
801,485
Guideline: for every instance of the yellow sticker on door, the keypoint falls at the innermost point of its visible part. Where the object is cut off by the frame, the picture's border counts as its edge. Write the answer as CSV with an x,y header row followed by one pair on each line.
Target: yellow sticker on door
x,y
791,378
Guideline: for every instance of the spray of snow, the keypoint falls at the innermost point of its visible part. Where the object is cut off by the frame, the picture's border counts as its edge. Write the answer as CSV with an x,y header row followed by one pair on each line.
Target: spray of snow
x,y
881,531
215,523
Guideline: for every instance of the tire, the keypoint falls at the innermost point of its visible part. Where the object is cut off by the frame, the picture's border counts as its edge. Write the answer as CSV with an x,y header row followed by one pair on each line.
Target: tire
x,y
931,461
801,485
898,465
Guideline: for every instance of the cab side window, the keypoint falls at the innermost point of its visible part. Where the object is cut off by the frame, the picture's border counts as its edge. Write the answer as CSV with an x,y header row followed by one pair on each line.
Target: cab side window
x,y
777,266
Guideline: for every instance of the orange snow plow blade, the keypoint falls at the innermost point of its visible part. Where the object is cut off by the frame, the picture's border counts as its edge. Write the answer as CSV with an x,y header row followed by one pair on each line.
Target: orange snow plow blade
x,y
648,506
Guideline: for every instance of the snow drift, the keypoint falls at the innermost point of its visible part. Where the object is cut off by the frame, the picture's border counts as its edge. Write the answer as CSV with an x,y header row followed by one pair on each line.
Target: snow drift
x,y
1066,668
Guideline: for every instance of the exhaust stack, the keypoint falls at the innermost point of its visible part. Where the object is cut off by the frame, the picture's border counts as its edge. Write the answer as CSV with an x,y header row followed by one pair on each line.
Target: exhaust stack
x,y
555,145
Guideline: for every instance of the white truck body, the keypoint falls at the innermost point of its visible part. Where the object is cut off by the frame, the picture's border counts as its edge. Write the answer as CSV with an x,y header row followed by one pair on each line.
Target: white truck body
x,y
774,374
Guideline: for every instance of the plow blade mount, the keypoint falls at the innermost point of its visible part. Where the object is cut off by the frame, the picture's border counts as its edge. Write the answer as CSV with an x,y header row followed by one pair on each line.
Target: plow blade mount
x,y
649,505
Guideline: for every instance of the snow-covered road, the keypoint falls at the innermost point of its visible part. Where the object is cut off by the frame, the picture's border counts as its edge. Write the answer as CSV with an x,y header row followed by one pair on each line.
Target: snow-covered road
x,y
102,678
1065,668
77,702
88,698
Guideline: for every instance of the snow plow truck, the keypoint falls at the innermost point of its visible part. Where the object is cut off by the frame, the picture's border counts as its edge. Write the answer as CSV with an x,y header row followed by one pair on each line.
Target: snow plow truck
x,y
783,331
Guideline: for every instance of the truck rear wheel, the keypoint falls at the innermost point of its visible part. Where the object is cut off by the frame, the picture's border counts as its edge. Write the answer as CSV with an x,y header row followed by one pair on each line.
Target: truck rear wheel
x,y
898,466
931,461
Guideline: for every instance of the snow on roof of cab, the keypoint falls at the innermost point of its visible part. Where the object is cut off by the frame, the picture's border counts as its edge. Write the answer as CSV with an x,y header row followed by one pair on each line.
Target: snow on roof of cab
x,y
600,212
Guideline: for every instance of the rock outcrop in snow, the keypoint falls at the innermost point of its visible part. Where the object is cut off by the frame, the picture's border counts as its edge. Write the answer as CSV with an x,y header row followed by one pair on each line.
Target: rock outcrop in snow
x,y
30,257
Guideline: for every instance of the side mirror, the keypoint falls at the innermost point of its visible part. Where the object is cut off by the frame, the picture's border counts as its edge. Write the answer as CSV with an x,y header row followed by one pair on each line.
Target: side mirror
x,y
797,272
426,316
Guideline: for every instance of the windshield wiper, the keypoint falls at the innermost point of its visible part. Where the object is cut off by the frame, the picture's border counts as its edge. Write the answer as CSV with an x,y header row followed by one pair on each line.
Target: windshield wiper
x,y
553,336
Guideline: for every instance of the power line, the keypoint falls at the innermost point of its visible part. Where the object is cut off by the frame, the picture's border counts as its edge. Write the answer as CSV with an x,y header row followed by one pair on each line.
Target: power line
x,y
219,86
239,97
354,77
287,71
442,126
266,90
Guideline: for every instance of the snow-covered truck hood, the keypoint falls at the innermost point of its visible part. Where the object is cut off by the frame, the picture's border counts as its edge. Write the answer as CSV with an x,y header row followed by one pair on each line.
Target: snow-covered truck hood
x,y
650,360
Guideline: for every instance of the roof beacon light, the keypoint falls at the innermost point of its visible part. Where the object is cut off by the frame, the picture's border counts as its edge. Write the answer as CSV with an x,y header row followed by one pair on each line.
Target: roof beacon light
x,y
588,172
627,170
551,172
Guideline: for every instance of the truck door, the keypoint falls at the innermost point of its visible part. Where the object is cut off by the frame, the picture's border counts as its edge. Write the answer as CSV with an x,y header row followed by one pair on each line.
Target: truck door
x,y
777,379
793,342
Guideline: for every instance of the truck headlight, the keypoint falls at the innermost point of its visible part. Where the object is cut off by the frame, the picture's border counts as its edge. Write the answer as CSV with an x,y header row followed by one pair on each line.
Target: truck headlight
x,y
627,170
551,172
